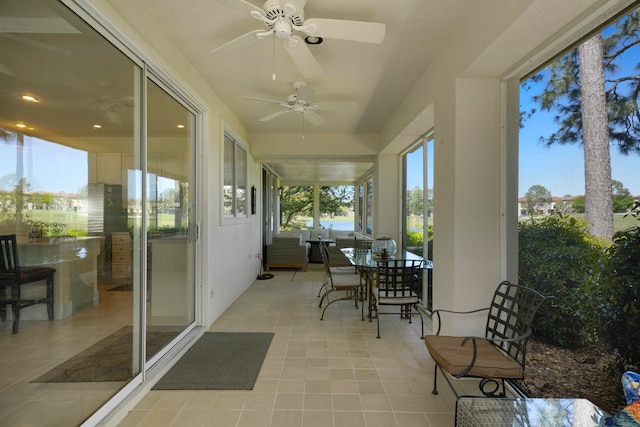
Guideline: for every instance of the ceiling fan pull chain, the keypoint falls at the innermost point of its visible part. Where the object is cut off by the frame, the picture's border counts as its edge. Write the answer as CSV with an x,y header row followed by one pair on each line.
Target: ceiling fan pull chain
x,y
274,60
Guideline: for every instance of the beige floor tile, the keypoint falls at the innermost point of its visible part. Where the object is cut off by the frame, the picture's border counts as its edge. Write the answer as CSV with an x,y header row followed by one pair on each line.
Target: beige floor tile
x,y
286,418
329,373
317,419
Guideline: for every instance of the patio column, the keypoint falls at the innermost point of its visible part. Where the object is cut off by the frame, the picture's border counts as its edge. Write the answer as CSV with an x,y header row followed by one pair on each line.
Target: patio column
x,y
467,198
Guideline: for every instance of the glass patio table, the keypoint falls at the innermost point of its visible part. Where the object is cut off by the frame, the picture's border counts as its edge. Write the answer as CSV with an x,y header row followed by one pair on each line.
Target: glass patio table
x,y
505,412
366,263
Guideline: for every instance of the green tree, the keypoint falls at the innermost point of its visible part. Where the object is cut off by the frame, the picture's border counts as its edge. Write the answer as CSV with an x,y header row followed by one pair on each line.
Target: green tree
x,y
578,204
335,200
595,111
622,197
537,196
415,201
297,201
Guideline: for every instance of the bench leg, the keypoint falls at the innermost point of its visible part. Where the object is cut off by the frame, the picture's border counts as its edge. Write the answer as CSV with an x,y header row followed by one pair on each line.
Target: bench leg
x,y
435,380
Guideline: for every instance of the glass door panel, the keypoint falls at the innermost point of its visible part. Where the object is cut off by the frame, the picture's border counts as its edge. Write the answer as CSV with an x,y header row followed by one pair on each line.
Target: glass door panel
x,y
170,260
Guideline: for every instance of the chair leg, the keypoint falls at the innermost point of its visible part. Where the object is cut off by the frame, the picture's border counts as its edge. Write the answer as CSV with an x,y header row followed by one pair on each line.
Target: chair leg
x,y
3,304
421,320
15,305
50,296
324,285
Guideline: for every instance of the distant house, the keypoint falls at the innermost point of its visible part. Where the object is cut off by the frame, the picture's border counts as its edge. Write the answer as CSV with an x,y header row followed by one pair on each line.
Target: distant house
x,y
557,204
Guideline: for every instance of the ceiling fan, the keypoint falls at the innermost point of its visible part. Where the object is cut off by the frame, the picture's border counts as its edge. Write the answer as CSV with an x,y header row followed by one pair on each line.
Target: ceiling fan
x,y
111,106
300,102
283,18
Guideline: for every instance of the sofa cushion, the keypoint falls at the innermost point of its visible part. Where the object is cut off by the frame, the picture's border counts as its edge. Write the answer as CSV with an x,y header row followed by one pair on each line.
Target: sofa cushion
x,y
287,239
302,234
335,234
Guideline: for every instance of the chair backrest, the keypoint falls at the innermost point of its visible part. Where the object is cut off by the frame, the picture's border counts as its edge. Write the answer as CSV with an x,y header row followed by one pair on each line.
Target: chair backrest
x,y
511,314
9,255
324,252
398,278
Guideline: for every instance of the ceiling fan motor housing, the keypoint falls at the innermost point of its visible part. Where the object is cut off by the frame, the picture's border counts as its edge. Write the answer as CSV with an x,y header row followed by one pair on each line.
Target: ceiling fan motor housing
x,y
288,12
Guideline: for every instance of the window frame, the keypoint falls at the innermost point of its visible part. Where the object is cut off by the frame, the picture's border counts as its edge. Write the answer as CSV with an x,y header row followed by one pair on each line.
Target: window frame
x,y
240,176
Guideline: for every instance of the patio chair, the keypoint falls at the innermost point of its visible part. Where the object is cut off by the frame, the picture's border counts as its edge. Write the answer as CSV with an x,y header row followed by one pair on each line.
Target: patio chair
x,y
501,353
397,281
14,277
338,263
350,284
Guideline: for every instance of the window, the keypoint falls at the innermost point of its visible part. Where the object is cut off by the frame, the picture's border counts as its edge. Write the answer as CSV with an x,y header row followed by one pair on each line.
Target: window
x,y
364,205
235,178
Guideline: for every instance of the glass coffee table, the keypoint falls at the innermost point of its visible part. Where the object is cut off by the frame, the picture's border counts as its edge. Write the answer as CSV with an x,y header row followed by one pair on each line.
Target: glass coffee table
x,y
522,412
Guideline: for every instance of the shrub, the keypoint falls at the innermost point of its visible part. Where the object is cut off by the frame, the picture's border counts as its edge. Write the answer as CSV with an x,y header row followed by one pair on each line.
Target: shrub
x,y
621,304
558,256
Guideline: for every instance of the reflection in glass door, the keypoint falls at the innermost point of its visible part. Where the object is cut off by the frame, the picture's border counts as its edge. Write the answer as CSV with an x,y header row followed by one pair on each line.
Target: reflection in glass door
x,y
170,256
72,188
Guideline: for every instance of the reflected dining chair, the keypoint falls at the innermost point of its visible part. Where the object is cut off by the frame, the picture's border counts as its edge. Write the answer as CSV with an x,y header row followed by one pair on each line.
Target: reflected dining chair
x,y
14,277
397,282
350,284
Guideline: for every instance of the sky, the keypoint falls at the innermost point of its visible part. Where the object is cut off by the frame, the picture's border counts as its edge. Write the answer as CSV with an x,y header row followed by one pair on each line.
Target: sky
x,y
560,169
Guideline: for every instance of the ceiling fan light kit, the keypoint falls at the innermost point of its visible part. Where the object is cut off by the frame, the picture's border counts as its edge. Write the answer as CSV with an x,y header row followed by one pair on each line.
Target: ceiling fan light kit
x,y
313,40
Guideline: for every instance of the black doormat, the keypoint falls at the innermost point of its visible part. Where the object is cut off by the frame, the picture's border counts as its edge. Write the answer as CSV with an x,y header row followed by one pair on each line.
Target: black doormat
x,y
219,361
110,358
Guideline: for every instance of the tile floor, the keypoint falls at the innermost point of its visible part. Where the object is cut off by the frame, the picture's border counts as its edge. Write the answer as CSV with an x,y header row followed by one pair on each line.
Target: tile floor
x,y
332,373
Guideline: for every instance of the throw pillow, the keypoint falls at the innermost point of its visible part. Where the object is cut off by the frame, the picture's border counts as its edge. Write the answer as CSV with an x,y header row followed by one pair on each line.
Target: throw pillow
x,y
628,417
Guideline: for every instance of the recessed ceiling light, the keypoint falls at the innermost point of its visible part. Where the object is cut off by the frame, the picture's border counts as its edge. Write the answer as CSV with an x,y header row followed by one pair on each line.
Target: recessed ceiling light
x,y
313,40
180,126
21,125
97,126
30,98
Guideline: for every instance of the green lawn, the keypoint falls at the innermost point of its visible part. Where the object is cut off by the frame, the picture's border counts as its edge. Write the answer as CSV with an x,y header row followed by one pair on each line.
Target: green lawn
x,y
77,222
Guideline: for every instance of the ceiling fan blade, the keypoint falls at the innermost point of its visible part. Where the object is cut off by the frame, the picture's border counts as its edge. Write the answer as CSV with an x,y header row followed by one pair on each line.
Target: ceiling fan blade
x,y
303,58
241,42
367,32
262,99
341,106
5,70
314,118
274,115
241,6
113,117
305,93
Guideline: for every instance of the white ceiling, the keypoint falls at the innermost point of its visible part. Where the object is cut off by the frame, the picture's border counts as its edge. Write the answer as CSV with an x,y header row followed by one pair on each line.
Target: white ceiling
x,y
377,77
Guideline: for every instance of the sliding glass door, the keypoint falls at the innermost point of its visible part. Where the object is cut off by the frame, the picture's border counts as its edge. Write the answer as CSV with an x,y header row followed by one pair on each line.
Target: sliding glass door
x,y
96,181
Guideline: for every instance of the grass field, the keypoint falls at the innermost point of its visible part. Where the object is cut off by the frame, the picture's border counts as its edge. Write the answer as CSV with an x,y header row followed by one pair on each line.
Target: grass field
x,y
77,222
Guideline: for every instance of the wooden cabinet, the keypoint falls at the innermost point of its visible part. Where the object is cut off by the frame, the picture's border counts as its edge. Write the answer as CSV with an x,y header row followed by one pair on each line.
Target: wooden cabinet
x,y
121,255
